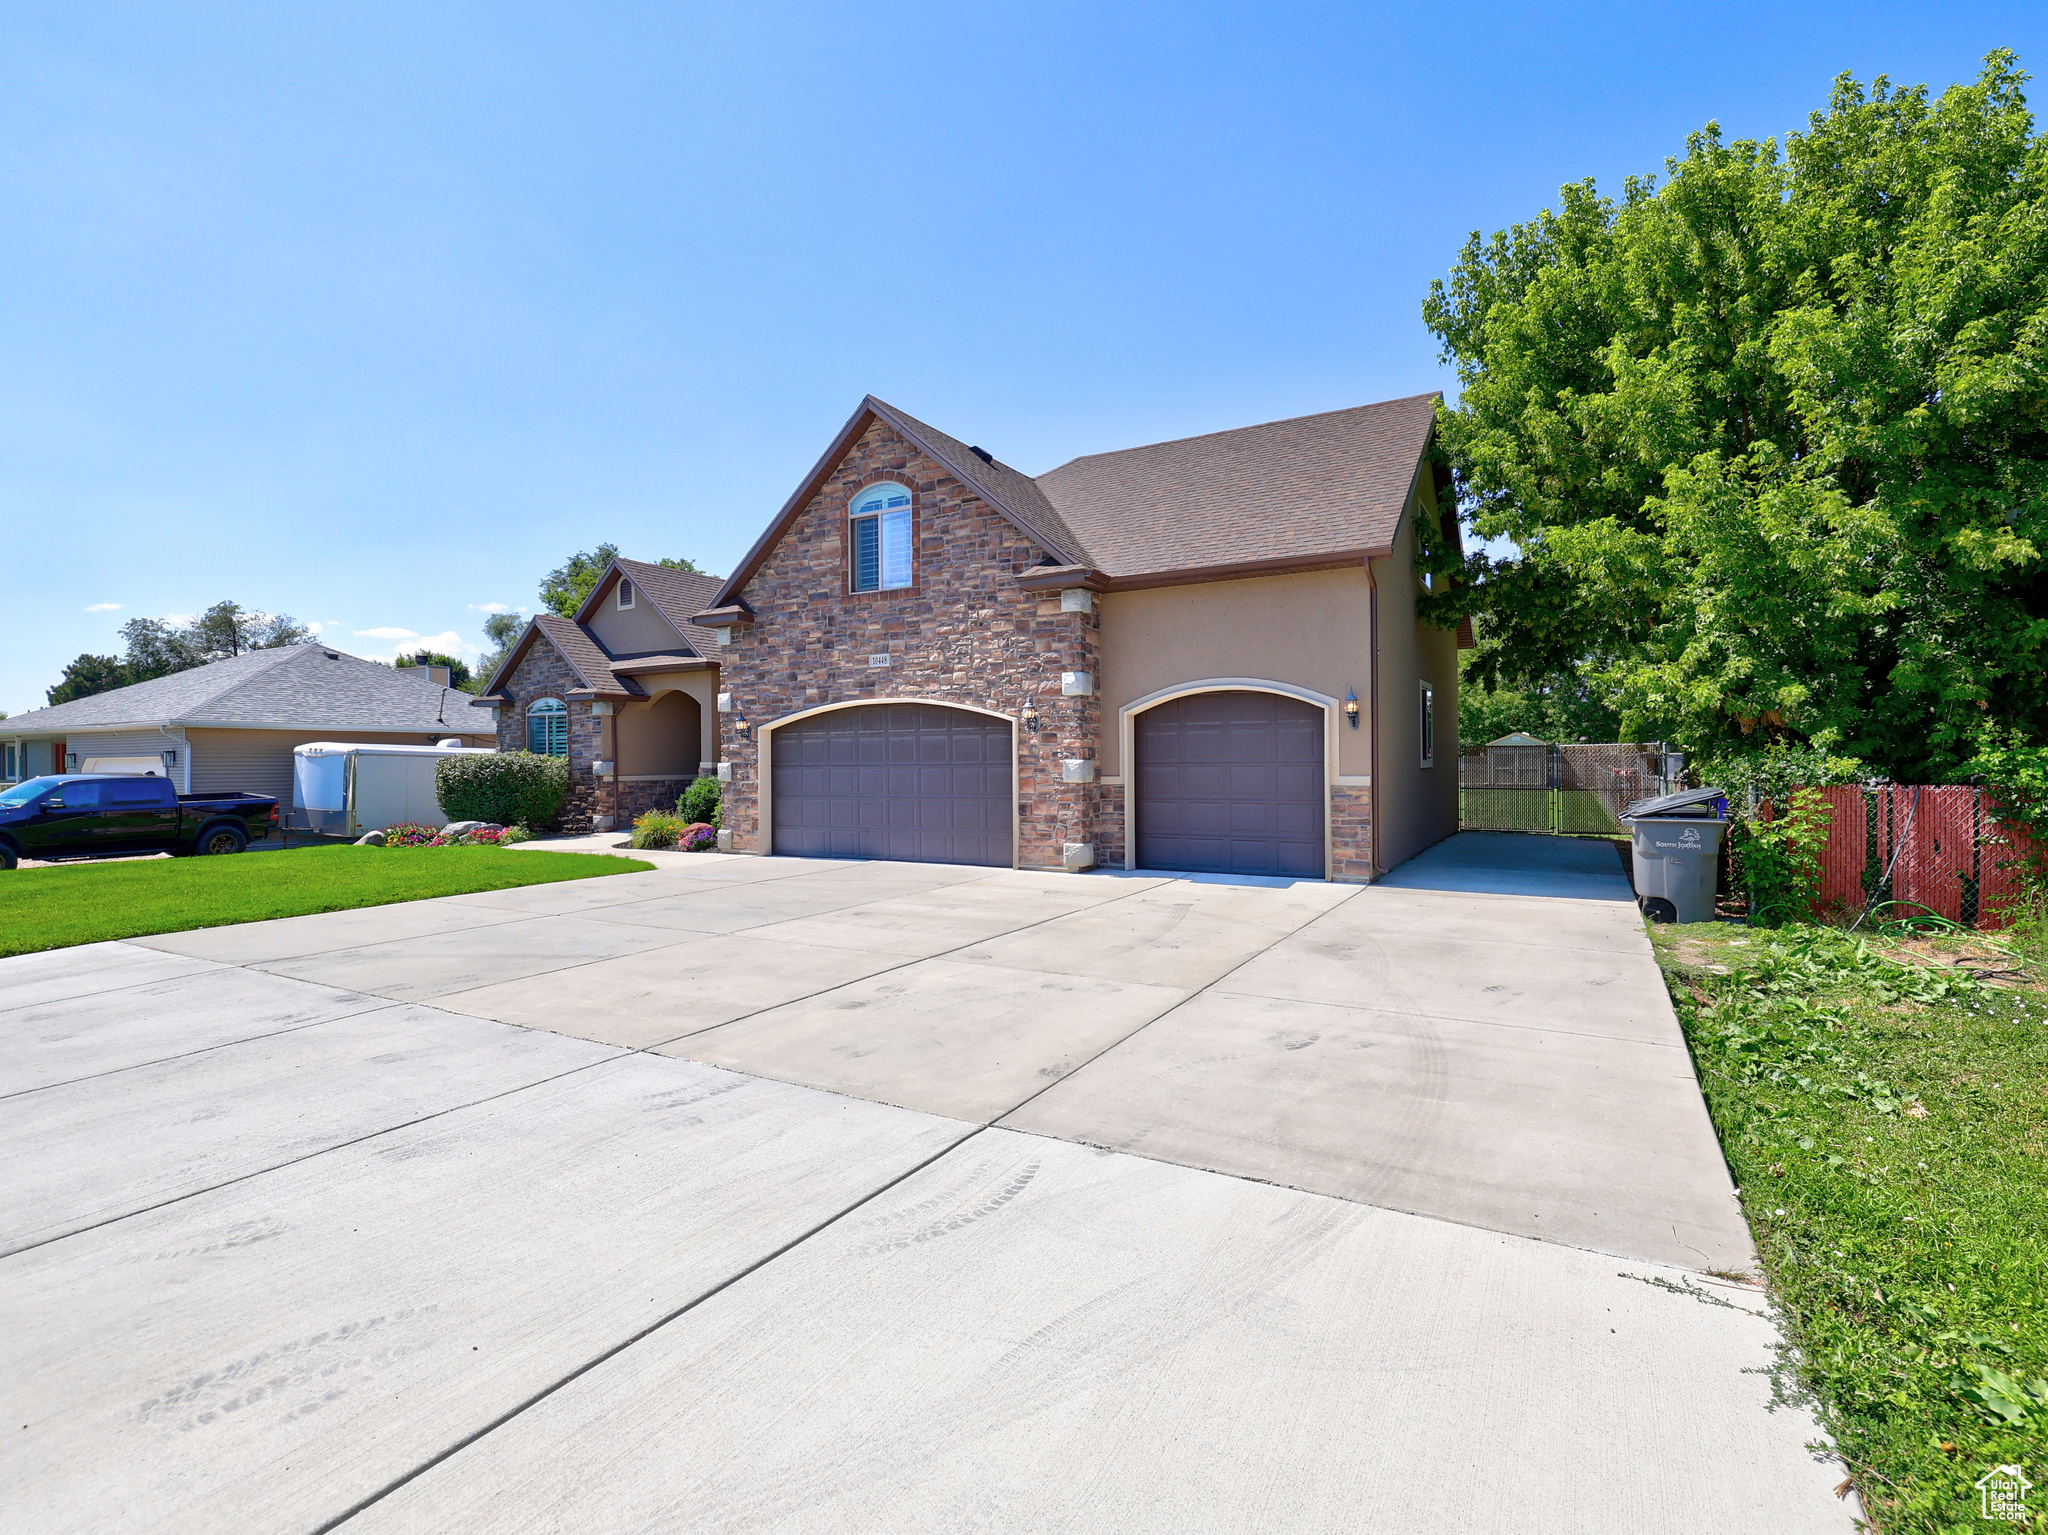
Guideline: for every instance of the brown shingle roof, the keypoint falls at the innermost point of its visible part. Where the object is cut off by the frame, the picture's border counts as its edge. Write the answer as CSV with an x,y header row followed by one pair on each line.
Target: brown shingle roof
x,y
1324,489
1010,491
588,659
1330,486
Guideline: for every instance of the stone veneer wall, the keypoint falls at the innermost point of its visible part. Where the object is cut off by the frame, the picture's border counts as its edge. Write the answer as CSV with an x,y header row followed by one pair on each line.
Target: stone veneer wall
x,y
963,633
1350,832
542,673
640,795
1109,833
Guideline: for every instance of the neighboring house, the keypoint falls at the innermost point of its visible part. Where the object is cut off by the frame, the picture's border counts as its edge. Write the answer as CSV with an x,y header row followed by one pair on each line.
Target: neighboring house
x,y
232,724
623,690
1198,655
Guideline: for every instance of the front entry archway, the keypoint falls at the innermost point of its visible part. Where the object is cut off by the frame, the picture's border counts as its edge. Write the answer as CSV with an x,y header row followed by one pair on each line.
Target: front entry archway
x,y
921,782
1231,782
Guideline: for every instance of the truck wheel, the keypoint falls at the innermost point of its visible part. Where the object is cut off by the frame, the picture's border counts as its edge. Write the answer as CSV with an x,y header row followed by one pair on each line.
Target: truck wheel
x,y
7,856
223,840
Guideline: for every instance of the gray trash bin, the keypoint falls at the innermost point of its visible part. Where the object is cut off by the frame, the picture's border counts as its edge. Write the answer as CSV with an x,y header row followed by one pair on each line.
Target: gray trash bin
x,y
1675,842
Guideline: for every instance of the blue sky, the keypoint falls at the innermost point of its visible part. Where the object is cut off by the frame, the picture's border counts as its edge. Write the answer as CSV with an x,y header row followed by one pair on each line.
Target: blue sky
x,y
373,313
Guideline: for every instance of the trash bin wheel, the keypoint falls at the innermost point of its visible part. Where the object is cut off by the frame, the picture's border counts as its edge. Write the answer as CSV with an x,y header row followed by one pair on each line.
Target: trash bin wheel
x,y
1657,909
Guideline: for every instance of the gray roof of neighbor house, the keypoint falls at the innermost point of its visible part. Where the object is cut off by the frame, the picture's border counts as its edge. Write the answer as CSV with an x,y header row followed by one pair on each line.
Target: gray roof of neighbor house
x,y
311,687
1327,489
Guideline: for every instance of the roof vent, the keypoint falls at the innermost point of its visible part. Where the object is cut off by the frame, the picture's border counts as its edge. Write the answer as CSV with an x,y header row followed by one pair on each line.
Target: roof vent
x,y
332,655
983,454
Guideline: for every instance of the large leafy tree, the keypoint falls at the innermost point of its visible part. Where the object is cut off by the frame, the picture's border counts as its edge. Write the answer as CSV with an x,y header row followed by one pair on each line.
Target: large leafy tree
x,y
88,675
227,629
503,631
1772,437
157,648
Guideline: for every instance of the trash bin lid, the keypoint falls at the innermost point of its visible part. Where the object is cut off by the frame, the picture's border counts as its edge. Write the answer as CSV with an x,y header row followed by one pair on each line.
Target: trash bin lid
x,y
1693,804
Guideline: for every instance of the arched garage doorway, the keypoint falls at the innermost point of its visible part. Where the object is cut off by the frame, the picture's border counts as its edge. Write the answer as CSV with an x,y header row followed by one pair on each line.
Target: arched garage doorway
x,y
1230,782
914,781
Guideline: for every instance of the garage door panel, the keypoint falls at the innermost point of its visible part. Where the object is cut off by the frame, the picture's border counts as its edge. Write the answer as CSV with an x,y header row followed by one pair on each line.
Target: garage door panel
x,y
1230,782
1298,781
1298,823
913,781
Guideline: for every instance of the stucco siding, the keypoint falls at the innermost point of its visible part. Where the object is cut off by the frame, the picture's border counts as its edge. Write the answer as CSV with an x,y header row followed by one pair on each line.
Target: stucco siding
x,y
1418,806
661,737
702,685
1311,630
635,631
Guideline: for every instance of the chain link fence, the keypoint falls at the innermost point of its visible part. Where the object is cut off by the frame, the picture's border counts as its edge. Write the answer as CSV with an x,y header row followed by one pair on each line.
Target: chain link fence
x,y
1942,848
1571,791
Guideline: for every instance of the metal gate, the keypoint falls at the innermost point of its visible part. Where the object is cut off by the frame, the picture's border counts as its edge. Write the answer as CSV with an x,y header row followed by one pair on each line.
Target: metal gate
x,y
1571,791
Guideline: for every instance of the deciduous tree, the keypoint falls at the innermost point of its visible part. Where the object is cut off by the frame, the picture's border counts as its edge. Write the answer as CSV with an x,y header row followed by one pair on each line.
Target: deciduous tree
x,y
1772,436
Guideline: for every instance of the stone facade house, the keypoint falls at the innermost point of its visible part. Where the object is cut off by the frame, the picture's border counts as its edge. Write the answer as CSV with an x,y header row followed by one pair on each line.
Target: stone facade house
x,y
622,689
1197,655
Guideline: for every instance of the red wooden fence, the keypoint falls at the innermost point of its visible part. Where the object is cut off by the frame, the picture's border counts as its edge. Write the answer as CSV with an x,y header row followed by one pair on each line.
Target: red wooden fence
x,y
1941,847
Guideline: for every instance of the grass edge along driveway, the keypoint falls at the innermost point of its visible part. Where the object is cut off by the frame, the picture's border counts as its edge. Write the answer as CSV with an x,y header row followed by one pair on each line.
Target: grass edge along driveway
x,y
1883,1114
56,908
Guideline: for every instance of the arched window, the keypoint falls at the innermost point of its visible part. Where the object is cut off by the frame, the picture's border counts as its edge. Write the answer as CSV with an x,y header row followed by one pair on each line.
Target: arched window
x,y
879,521
547,727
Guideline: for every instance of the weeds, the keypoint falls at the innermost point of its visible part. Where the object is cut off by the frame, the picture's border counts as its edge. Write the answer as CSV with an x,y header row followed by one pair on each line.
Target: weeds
x,y
1884,1122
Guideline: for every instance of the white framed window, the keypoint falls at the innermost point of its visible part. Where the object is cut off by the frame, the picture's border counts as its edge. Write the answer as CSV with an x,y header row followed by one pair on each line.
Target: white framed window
x,y
1428,718
547,727
878,528
625,593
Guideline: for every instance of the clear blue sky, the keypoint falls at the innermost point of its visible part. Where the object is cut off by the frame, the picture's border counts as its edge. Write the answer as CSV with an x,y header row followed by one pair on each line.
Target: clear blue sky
x,y
372,313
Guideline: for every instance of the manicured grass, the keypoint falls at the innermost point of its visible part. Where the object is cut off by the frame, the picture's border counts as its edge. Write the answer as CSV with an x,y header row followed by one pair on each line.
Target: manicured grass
x,y
1884,1116
86,903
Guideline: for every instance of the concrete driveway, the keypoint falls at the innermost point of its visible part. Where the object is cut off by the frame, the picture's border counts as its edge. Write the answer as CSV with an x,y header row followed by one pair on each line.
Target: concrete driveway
x,y
772,1194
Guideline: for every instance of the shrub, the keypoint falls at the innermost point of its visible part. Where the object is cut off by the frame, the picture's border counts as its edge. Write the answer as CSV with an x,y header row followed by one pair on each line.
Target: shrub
x,y
514,834
504,788
657,828
410,834
699,837
700,802
2017,778
1779,859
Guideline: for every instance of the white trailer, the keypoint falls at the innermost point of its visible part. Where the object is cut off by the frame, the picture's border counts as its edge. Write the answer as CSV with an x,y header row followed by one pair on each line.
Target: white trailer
x,y
345,788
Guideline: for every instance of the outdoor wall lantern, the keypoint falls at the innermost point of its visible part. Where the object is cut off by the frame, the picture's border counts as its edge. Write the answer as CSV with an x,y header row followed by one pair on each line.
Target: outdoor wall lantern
x,y
1029,718
1351,707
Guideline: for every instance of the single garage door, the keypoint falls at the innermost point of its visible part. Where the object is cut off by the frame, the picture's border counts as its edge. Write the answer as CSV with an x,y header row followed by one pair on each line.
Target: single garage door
x,y
912,781
1231,783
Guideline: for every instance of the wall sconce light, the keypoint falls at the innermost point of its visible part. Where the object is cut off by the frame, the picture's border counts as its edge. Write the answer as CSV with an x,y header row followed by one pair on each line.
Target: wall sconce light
x,y
1029,717
1351,707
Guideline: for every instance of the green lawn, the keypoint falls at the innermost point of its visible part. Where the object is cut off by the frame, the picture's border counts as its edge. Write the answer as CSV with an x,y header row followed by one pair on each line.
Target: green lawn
x,y
54,908
1885,1124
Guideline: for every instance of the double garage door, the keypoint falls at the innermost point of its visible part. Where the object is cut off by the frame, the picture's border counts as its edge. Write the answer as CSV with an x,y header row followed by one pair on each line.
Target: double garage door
x,y
1227,783
913,781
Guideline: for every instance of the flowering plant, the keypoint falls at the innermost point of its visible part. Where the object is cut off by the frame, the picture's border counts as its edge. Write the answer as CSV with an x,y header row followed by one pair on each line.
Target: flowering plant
x,y
410,834
699,837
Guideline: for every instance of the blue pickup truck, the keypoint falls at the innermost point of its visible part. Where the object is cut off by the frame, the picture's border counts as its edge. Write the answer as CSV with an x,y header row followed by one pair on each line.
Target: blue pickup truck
x,y
100,815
